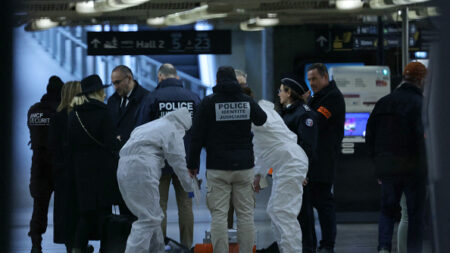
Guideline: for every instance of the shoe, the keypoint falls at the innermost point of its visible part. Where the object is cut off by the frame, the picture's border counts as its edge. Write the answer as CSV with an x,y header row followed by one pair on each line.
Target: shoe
x,y
324,250
36,250
384,250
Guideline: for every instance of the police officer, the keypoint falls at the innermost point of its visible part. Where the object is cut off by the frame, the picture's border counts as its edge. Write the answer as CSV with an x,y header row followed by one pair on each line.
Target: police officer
x,y
329,104
301,120
168,96
41,181
223,126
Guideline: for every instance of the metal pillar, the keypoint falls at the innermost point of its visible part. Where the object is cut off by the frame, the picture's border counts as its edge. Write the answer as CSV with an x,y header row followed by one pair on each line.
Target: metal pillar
x,y
405,38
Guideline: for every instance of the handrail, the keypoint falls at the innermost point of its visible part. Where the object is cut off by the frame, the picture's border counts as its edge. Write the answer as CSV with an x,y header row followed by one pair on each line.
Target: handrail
x,y
70,51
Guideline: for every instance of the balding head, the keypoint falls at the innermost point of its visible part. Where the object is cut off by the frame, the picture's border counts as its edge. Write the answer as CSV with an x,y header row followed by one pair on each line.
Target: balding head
x,y
167,70
123,80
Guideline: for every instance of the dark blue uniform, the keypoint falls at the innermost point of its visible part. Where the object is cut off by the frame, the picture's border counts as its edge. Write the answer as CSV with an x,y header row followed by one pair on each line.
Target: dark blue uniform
x,y
168,96
41,181
301,120
330,107
223,126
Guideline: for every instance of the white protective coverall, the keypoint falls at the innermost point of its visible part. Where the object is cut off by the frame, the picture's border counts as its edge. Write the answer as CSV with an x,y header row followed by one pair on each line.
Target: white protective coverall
x,y
139,171
275,146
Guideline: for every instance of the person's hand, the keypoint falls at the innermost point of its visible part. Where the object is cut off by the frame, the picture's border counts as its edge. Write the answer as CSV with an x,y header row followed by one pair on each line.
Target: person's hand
x,y
306,95
305,182
193,173
379,181
256,183
119,138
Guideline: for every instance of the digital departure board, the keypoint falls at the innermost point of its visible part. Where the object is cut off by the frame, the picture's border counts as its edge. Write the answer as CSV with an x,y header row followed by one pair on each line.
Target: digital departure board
x,y
159,42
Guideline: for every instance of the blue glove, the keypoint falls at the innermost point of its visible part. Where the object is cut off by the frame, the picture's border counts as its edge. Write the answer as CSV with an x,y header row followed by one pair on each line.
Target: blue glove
x,y
190,195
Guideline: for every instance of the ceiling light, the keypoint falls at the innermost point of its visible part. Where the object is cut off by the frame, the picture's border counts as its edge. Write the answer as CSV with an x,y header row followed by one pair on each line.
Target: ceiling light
x,y
349,4
41,24
85,7
380,4
134,2
203,12
245,27
92,7
267,21
159,21
271,15
250,26
399,2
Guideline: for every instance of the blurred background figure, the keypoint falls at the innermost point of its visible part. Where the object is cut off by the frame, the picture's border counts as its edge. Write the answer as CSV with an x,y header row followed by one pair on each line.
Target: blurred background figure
x,y
395,138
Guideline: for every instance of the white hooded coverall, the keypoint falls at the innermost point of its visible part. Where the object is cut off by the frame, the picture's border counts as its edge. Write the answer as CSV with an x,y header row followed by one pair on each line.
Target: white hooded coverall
x,y
140,164
275,146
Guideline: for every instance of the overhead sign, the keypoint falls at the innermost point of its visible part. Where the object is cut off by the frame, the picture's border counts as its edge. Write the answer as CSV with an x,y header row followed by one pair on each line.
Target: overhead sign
x,y
159,42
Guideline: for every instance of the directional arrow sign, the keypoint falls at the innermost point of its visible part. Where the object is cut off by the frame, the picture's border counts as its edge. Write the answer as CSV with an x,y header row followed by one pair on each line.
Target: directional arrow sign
x,y
321,40
95,42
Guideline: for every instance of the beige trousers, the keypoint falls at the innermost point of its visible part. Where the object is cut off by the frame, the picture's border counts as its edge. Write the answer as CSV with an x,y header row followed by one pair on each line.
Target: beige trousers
x,y
184,204
221,184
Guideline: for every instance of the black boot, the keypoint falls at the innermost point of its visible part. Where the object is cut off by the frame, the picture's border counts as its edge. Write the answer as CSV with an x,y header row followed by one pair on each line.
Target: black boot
x,y
36,243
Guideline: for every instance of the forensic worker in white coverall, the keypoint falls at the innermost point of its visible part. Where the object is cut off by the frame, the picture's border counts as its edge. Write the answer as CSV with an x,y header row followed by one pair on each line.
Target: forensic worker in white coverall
x,y
275,146
140,164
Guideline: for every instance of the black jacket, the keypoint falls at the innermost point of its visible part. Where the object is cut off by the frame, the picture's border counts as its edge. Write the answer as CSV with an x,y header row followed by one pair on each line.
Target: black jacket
x,y
168,96
330,107
223,126
126,121
65,216
94,165
301,120
39,116
395,135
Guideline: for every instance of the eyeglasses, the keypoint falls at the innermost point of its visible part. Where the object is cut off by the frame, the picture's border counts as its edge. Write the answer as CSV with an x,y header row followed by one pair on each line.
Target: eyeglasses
x,y
117,82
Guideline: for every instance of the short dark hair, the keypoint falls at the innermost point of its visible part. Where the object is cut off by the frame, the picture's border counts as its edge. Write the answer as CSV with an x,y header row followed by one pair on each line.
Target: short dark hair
x,y
321,68
123,69
167,70
226,73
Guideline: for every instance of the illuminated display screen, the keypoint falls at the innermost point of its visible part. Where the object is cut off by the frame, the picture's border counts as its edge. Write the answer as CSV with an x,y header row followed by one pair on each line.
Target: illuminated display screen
x,y
355,123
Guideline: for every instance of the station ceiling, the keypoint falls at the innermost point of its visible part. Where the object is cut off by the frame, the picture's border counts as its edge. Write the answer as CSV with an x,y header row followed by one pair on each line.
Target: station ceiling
x,y
218,12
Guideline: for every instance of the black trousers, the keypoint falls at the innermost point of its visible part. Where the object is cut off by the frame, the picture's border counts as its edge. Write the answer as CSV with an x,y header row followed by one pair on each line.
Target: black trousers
x,y
318,195
41,188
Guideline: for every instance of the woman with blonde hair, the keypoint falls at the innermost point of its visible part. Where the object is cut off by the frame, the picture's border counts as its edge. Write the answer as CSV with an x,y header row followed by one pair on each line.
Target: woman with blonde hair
x,y
64,201
92,141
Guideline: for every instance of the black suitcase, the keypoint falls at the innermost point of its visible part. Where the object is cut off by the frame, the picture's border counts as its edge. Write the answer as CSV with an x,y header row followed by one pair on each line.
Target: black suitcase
x,y
173,246
116,229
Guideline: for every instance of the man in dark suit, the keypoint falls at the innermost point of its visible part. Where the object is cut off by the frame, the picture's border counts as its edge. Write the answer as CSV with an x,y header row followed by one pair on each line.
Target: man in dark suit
x,y
125,102
124,106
